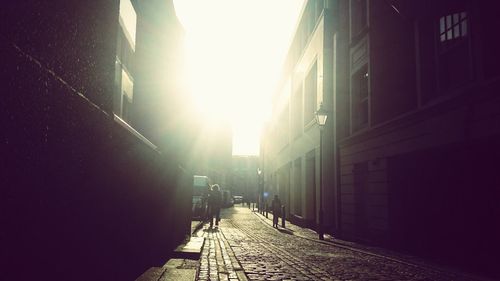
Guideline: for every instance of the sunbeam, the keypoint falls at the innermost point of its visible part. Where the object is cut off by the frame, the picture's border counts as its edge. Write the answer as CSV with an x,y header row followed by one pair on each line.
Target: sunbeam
x,y
233,61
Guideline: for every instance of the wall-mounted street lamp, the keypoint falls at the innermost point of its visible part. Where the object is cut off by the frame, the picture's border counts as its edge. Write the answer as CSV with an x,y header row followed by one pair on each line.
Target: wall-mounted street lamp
x,y
321,115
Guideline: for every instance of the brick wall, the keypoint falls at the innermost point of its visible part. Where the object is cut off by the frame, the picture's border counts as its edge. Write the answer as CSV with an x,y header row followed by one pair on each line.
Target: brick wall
x,y
81,197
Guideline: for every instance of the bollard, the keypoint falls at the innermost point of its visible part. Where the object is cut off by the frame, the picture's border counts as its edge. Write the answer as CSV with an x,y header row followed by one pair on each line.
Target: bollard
x,y
320,227
267,212
283,216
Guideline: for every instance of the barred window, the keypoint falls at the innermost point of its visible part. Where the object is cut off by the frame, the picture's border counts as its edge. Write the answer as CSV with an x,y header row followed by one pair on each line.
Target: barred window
x,y
454,58
453,26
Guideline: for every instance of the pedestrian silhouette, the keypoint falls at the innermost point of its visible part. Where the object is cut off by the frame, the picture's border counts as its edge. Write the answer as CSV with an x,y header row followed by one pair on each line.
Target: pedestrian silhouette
x,y
276,207
214,204
204,203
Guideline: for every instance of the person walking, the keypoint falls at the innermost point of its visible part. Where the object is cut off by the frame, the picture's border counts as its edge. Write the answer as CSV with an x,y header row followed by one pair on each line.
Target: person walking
x,y
214,204
204,203
276,207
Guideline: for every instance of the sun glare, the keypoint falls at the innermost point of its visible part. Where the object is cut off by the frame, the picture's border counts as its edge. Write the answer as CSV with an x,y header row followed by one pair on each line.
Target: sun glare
x,y
235,50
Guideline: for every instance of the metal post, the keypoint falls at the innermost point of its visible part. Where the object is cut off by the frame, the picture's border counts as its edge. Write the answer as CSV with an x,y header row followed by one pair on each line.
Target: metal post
x,y
283,216
320,215
267,211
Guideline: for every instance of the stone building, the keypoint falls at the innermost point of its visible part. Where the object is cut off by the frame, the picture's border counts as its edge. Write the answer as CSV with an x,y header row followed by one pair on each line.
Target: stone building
x,y
290,143
244,176
84,195
411,143
418,143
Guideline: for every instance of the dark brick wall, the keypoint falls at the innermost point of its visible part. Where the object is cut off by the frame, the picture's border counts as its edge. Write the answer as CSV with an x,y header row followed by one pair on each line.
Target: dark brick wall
x,y
81,198
75,39
443,204
392,63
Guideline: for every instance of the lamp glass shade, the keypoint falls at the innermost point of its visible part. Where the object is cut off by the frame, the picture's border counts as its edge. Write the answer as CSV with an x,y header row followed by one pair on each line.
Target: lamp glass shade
x,y
321,119
321,115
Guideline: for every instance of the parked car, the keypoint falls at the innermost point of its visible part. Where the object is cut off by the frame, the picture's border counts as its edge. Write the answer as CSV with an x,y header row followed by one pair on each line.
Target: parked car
x,y
200,194
238,199
227,199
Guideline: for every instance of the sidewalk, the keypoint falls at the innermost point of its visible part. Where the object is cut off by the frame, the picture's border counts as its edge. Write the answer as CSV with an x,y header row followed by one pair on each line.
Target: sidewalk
x,y
408,259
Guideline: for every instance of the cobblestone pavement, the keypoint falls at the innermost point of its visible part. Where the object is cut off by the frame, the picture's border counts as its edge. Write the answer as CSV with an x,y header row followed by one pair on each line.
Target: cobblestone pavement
x,y
246,247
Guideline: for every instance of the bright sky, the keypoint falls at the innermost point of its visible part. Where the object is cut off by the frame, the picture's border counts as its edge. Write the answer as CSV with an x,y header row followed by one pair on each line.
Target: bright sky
x,y
235,51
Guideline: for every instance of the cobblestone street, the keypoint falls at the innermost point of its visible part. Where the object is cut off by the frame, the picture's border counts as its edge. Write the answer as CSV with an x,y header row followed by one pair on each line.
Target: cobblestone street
x,y
246,247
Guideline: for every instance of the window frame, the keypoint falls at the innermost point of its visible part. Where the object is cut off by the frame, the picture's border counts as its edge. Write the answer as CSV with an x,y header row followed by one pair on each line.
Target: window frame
x,y
357,101
297,110
355,33
310,103
448,28
359,59
443,48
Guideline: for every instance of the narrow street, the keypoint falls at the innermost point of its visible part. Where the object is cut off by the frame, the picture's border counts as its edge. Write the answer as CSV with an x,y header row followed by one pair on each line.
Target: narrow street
x,y
245,246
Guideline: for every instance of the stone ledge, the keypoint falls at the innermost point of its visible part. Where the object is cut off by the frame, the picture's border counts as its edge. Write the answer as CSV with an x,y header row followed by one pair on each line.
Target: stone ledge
x,y
174,269
191,249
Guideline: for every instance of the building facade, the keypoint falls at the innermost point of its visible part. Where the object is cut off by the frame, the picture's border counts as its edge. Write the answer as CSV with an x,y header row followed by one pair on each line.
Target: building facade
x,y
76,180
211,154
410,148
290,145
420,141
245,177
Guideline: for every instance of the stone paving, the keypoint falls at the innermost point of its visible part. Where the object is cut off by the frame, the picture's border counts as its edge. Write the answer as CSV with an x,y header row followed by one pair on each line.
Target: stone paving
x,y
246,247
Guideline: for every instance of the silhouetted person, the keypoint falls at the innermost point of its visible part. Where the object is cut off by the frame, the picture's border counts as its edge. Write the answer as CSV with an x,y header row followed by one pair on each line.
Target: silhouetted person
x,y
214,204
204,203
276,207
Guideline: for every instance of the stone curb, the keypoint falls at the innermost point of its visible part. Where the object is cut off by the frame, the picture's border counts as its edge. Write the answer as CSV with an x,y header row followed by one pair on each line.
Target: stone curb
x,y
197,227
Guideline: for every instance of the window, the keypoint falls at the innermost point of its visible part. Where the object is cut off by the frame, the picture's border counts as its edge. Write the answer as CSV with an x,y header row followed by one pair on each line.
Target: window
x,y
315,9
128,21
454,56
359,96
359,16
452,27
125,47
298,186
127,89
310,94
127,104
319,5
297,111
283,128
